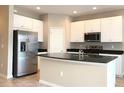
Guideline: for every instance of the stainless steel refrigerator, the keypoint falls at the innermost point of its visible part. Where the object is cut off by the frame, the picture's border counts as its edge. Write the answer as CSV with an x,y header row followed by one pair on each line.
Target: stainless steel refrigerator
x,y
25,46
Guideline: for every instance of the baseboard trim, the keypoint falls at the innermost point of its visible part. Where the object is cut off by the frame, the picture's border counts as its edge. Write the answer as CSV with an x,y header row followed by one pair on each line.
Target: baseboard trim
x,y
6,77
3,76
10,76
120,76
49,83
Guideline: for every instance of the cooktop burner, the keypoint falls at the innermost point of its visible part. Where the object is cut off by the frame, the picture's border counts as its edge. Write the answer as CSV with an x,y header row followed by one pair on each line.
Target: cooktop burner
x,y
93,49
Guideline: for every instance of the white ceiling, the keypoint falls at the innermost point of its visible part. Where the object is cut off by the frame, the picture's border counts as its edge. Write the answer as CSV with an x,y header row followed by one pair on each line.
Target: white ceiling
x,y
68,9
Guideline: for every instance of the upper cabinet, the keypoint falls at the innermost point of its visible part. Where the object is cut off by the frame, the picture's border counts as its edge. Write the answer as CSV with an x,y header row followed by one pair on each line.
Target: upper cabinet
x,y
111,29
38,27
28,24
92,25
77,31
22,22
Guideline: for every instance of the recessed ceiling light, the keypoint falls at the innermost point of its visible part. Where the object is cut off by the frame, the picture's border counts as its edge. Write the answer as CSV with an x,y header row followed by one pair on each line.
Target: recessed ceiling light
x,y
38,8
15,11
75,12
94,8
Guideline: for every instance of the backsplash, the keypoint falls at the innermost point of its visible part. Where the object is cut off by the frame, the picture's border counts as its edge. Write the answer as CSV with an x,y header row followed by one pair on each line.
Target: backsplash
x,y
40,45
106,45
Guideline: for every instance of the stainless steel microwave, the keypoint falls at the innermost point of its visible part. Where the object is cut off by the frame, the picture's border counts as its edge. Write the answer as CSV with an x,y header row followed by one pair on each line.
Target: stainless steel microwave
x,y
92,37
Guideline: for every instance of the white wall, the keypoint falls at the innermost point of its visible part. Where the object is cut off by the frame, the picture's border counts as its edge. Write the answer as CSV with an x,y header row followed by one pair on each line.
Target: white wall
x,y
56,20
10,44
26,12
77,74
67,31
45,31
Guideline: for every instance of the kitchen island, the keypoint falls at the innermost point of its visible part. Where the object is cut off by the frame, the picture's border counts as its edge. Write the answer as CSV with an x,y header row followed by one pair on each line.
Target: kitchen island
x,y
74,70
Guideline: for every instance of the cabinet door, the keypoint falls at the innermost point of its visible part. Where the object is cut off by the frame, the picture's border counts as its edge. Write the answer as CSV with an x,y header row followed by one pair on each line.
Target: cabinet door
x,y
77,31
92,25
105,29
38,27
111,29
27,23
21,22
18,21
116,26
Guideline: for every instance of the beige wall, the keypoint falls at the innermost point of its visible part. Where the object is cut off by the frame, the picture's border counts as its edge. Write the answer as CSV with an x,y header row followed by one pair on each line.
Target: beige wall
x,y
6,39
4,22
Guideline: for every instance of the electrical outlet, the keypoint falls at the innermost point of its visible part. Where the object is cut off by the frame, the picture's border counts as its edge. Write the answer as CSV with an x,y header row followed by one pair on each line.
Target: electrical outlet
x,y
112,46
61,73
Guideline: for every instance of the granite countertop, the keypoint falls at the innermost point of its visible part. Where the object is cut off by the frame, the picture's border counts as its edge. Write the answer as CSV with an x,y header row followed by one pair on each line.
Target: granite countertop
x,y
119,52
77,57
42,50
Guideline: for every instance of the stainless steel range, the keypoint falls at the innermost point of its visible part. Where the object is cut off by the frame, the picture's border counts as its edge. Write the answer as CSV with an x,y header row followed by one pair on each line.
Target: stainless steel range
x,y
93,49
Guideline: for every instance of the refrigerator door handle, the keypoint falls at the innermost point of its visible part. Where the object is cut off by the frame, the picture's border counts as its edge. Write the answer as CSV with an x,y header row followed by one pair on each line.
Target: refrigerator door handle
x,y
26,48
23,47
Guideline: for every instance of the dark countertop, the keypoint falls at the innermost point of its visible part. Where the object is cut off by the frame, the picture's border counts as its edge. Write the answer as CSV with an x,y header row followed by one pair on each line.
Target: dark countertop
x,y
98,51
77,57
42,50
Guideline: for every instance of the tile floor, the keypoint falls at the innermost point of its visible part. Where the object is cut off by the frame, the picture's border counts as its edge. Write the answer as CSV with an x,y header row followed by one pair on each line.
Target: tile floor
x,y
32,81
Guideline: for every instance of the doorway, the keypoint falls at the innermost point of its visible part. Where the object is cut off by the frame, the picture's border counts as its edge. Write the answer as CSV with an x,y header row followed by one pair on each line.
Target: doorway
x,y
56,44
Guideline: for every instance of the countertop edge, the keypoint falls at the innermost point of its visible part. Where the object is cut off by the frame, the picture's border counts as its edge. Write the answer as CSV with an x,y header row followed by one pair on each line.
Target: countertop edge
x,y
77,62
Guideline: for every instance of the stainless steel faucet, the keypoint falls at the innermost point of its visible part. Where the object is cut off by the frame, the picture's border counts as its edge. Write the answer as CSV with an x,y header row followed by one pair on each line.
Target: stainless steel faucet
x,y
81,52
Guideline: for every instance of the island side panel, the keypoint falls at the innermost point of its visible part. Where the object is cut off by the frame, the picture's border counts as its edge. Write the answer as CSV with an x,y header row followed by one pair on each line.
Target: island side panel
x,y
111,73
65,73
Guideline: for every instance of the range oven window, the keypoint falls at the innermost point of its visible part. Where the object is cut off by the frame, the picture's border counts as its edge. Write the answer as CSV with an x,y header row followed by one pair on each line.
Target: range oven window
x,y
92,37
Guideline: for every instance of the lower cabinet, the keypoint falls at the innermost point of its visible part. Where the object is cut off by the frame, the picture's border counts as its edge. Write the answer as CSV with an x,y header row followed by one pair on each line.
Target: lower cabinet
x,y
119,64
38,65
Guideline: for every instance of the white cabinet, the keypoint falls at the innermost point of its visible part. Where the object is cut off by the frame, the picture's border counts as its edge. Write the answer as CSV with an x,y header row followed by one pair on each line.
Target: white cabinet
x,y
77,31
38,27
119,64
111,29
22,22
28,24
92,25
